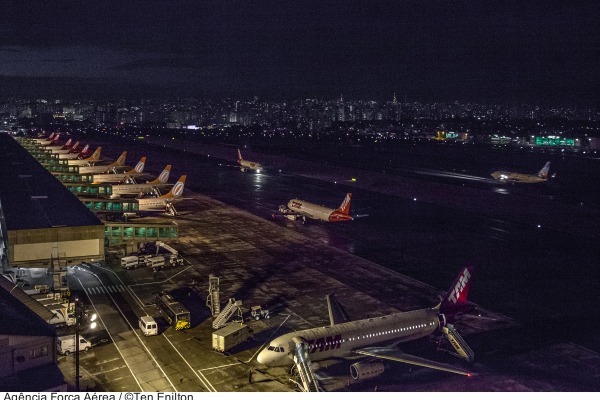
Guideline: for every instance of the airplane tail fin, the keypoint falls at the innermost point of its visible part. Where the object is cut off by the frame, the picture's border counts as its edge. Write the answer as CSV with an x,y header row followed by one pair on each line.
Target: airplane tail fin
x,y
177,190
68,144
455,300
51,136
139,167
95,155
239,155
74,147
544,171
163,177
345,206
121,160
56,138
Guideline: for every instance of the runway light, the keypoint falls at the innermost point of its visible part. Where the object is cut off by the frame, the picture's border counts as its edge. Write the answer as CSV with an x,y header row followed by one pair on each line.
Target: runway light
x,y
539,226
415,199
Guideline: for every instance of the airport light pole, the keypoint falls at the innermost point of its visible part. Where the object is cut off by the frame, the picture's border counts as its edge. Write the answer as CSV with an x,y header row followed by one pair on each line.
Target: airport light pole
x,y
79,315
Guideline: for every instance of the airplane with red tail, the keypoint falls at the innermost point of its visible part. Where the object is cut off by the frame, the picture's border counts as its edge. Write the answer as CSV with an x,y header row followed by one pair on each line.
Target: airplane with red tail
x,y
355,339
300,209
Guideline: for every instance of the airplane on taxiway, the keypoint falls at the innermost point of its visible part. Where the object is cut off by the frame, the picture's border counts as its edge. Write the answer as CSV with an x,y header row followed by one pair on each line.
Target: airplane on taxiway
x,y
515,177
300,209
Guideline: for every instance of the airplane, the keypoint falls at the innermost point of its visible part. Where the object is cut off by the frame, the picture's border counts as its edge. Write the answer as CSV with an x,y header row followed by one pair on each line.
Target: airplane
x,y
297,209
49,140
356,339
91,160
245,164
515,177
121,177
64,149
73,152
165,202
135,188
50,143
103,169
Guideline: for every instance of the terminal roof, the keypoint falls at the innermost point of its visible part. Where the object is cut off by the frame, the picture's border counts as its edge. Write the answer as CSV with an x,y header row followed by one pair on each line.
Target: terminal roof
x,y
31,198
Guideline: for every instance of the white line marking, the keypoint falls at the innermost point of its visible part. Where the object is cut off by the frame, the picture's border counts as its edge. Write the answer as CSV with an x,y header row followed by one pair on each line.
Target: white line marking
x,y
113,340
205,381
222,366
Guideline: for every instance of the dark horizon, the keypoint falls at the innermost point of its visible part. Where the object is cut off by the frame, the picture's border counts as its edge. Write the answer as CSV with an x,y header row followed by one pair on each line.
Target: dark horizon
x,y
532,52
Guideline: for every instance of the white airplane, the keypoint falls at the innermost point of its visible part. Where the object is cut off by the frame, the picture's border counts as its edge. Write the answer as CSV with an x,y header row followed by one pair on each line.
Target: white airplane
x,y
46,140
136,188
297,209
515,177
121,177
245,164
355,339
71,154
103,169
165,202
91,160
64,149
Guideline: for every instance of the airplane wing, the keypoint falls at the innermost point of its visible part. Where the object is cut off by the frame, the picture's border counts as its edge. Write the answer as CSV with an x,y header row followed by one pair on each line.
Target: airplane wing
x,y
337,314
391,354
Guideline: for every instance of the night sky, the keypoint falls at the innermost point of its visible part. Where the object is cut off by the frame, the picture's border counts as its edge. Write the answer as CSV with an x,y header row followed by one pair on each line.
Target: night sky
x,y
541,51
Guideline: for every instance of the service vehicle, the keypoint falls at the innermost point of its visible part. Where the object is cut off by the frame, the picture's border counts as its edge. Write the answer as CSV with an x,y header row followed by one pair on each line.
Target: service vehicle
x,y
130,262
230,336
148,325
66,344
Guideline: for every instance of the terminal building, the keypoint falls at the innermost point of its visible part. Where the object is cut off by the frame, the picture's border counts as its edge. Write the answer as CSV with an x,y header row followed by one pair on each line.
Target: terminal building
x,y
40,219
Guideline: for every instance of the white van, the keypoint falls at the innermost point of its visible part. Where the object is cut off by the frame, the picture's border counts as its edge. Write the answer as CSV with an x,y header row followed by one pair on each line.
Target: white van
x,y
148,326
66,344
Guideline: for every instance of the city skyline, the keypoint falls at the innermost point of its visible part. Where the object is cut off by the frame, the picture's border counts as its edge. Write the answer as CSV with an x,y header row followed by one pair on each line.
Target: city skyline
x,y
433,51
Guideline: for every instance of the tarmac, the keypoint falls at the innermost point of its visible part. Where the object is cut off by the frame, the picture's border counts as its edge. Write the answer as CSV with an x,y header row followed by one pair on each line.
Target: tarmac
x,y
262,262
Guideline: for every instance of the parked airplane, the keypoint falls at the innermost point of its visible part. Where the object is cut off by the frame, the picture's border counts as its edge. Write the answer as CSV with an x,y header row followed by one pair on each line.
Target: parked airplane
x,y
91,160
297,209
355,339
245,164
103,169
46,139
121,177
64,149
73,152
165,202
137,188
513,177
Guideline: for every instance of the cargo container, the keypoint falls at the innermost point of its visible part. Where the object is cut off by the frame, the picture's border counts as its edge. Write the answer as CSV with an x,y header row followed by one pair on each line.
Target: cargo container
x,y
230,336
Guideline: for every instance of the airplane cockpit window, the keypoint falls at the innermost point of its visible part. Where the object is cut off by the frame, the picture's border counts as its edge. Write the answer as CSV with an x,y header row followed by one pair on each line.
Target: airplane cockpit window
x,y
271,348
281,350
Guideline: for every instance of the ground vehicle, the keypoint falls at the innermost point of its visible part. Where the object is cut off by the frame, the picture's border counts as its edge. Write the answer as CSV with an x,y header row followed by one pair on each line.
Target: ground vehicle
x,y
229,336
130,262
148,325
173,259
66,344
156,263
175,312
257,312
63,314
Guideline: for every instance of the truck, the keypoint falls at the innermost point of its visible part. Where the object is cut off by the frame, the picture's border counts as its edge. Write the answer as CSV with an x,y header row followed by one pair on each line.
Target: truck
x,y
130,262
230,336
257,312
173,259
66,344
156,263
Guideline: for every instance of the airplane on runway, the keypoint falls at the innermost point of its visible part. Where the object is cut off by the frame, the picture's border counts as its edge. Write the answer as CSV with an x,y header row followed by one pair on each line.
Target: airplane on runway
x,y
245,164
356,339
300,209
121,177
103,169
91,160
165,202
136,188
515,177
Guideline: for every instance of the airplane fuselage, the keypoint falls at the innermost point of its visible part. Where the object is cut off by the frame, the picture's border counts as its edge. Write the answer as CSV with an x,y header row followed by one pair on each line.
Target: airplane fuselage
x,y
155,204
133,188
504,176
249,165
112,178
315,211
96,169
339,340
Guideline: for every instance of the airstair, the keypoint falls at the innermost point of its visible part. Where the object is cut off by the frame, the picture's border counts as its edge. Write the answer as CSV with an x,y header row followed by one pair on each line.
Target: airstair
x,y
305,367
232,308
459,344
213,301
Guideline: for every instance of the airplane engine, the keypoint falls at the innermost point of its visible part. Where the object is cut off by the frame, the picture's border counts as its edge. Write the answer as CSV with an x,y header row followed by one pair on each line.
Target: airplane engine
x,y
366,370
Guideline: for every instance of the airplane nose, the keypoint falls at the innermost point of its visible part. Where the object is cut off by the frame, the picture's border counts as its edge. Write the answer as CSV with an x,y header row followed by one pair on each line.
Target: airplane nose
x,y
262,358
